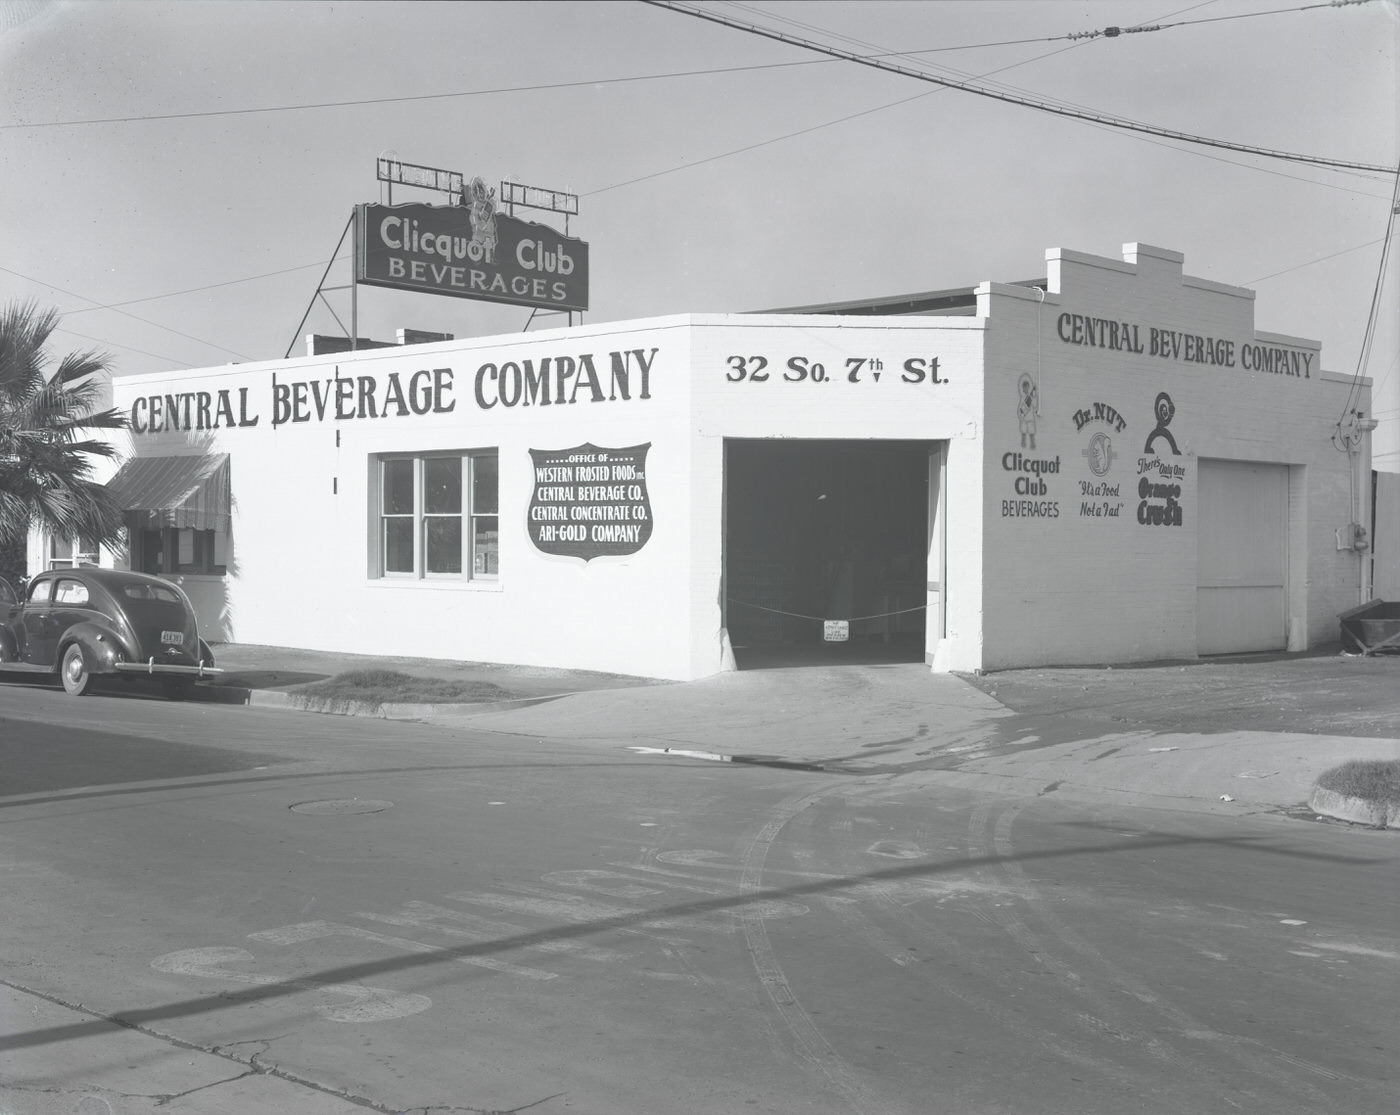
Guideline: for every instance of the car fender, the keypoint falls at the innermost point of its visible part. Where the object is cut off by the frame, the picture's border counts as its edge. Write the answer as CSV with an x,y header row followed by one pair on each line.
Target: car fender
x,y
206,655
9,647
102,647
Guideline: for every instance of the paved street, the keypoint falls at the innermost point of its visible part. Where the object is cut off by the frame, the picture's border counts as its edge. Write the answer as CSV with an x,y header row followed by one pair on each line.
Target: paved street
x,y
225,909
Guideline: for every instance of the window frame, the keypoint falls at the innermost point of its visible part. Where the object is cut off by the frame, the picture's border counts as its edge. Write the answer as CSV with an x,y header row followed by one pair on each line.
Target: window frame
x,y
82,550
471,520
204,549
82,597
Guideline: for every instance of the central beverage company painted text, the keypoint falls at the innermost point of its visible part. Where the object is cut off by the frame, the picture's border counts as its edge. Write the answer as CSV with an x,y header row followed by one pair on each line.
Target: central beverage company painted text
x,y
614,377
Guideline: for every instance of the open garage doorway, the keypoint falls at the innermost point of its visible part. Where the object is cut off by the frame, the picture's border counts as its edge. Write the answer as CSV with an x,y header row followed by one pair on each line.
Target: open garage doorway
x,y
828,550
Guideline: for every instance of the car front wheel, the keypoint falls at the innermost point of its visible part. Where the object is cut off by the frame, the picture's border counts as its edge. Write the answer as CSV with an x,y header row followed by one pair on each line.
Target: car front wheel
x,y
77,678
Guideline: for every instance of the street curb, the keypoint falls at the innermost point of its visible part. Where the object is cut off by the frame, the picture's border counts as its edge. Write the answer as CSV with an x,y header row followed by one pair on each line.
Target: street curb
x,y
263,698
1356,810
294,702
743,760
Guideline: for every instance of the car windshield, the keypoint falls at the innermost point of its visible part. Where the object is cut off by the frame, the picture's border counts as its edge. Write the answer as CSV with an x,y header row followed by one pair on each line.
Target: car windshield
x,y
150,592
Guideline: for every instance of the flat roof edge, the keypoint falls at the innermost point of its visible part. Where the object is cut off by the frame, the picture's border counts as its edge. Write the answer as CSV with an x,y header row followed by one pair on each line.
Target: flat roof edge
x,y
900,305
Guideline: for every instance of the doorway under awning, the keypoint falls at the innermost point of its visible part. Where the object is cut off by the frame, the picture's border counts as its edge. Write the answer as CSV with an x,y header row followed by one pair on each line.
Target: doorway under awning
x,y
190,491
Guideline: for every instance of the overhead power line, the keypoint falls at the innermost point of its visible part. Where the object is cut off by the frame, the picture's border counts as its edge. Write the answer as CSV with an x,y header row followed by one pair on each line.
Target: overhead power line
x,y
545,87
871,50
692,163
1311,262
1369,334
1079,36
188,290
1114,32
117,344
1009,98
367,101
124,313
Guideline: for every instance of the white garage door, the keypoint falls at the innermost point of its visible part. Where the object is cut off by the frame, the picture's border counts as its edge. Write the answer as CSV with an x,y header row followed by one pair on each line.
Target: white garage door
x,y
1242,569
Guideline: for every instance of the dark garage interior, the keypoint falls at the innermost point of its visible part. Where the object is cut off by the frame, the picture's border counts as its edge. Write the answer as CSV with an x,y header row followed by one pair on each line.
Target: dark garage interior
x,y
826,530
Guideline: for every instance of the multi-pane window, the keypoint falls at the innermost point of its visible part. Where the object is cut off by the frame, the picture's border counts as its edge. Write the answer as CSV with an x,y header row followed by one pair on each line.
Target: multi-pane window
x,y
398,515
66,551
170,550
442,514
438,516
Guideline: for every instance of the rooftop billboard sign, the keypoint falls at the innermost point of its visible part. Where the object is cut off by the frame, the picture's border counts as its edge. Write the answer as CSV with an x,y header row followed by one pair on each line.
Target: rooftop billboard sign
x,y
471,251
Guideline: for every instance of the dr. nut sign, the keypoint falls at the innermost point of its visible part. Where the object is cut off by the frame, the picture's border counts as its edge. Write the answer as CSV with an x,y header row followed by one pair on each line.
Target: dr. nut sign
x,y
590,501
471,252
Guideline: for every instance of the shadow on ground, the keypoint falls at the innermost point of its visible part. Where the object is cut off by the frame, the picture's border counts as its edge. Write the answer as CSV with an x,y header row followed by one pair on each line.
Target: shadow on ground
x,y
269,679
783,656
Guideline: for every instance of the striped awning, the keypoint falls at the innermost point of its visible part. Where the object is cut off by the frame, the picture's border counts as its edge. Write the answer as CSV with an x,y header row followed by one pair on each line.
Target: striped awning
x,y
190,491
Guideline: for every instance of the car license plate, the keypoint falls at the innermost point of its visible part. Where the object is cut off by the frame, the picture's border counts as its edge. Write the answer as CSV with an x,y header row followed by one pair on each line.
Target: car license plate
x,y
173,638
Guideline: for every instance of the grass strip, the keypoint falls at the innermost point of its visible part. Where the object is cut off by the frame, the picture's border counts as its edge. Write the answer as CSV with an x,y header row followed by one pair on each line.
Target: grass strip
x,y
1376,781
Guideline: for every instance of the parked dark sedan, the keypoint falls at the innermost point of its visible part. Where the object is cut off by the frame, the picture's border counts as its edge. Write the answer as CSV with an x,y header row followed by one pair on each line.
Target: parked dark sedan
x,y
81,623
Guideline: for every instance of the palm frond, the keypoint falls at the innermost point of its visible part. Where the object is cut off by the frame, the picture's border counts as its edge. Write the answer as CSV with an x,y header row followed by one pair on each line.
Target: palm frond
x,y
46,462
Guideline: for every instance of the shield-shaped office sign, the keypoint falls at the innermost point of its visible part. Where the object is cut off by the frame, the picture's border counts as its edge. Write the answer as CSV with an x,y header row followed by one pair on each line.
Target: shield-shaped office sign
x,y
590,501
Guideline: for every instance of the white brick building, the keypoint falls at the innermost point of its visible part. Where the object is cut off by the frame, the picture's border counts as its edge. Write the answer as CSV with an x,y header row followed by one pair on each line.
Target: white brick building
x,y
1113,466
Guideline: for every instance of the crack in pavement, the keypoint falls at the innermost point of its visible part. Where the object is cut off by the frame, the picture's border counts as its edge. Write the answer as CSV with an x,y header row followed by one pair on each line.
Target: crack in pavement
x,y
163,1098
250,1062
88,1093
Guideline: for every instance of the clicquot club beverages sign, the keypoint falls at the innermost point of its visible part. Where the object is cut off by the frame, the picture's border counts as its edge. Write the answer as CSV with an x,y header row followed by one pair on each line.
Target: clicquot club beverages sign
x,y
471,251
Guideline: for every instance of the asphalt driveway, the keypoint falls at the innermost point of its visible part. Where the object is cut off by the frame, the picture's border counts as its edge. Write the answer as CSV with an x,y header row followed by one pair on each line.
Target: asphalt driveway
x,y
1322,692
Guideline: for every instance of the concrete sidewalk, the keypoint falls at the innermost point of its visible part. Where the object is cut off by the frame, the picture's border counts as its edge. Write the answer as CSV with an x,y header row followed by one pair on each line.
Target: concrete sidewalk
x,y
1182,732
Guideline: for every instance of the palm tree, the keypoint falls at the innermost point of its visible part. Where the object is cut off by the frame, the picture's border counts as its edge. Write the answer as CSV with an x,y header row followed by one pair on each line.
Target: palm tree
x,y
45,469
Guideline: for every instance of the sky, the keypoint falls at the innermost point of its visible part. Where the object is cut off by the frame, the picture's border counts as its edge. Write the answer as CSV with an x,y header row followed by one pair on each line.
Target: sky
x,y
178,175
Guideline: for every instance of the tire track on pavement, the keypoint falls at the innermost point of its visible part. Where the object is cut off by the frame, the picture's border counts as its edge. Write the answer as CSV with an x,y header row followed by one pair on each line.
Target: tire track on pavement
x,y
811,1043
1260,1062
